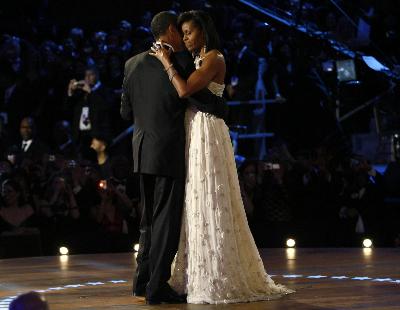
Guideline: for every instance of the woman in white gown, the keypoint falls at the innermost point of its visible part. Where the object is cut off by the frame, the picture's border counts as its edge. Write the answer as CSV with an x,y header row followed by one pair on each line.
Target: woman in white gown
x,y
217,260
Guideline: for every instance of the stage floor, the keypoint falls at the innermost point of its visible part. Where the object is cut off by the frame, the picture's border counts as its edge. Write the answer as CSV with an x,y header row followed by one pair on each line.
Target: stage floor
x,y
324,279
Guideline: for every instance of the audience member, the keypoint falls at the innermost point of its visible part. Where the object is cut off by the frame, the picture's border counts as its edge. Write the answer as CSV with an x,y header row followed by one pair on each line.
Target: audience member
x,y
89,102
31,146
100,144
29,301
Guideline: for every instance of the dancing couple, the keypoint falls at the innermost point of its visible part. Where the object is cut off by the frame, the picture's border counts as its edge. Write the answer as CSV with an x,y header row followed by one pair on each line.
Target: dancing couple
x,y
195,242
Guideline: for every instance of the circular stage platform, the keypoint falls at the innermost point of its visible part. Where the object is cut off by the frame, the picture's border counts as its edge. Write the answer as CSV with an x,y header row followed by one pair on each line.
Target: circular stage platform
x,y
333,278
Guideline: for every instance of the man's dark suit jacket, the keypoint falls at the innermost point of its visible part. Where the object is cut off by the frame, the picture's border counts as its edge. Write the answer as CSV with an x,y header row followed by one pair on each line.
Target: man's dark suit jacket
x,y
35,151
158,112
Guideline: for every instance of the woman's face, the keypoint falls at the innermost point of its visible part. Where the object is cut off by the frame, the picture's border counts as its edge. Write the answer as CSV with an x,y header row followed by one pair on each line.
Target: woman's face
x,y
10,195
192,36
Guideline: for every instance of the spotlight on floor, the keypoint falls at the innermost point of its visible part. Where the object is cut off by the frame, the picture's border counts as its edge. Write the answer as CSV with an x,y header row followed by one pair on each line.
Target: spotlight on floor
x,y
63,250
290,254
367,252
136,247
367,243
290,243
63,259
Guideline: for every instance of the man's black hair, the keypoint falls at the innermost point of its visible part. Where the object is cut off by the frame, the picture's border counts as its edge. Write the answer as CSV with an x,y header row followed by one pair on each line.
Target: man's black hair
x,y
161,22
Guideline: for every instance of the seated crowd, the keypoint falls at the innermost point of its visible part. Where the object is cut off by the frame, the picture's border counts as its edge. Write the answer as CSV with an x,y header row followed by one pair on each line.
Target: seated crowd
x,y
66,170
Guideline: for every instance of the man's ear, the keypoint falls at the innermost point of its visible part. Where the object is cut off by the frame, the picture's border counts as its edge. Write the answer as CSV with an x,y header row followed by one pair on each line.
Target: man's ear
x,y
172,29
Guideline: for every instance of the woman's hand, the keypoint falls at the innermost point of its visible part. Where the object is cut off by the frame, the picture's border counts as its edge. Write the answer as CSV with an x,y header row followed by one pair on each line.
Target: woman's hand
x,y
161,53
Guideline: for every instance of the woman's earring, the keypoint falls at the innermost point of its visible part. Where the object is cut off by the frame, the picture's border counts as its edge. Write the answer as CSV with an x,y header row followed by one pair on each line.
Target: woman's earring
x,y
205,48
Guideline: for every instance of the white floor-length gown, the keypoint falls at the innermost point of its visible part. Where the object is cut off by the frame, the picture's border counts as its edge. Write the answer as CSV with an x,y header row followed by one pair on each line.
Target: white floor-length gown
x,y
217,260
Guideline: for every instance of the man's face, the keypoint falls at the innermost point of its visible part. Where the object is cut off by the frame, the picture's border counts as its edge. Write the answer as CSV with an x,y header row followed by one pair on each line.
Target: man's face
x,y
173,37
26,129
90,77
97,145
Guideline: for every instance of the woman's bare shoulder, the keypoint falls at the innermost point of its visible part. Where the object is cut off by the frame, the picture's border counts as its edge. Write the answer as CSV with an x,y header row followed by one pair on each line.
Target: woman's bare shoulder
x,y
214,56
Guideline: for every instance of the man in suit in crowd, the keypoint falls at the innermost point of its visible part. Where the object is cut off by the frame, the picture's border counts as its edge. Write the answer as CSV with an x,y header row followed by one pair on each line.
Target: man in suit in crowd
x,y
30,146
159,154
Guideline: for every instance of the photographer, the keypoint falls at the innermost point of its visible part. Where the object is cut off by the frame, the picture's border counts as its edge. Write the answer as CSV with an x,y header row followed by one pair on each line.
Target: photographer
x,y
91,108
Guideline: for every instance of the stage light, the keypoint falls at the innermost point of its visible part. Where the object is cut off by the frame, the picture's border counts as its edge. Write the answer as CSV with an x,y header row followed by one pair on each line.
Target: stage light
x,y
290,243
63,250
136,247
367,243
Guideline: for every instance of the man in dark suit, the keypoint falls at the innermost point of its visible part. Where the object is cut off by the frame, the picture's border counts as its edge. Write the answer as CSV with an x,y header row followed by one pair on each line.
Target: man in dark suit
x,y
159,154
31,147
